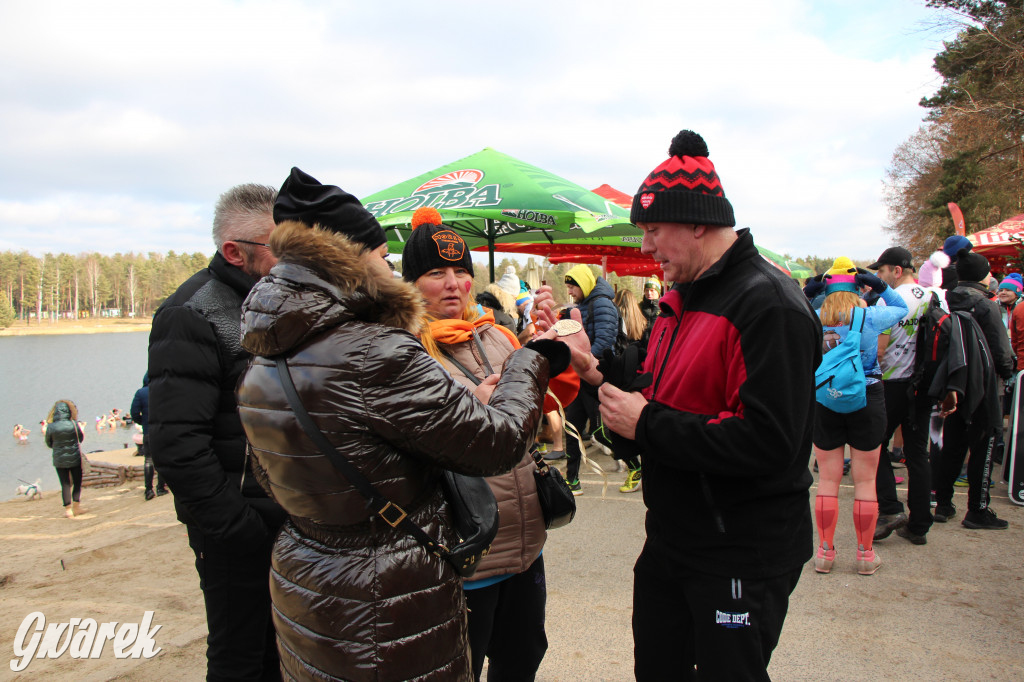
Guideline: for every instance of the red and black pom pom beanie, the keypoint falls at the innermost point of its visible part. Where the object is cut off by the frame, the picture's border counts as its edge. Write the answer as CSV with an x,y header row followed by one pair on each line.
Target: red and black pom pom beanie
x,y
684,189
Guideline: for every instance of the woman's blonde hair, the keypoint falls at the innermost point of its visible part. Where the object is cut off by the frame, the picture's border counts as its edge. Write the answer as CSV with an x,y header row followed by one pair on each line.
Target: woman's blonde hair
x,y
835,309
71,406
633,318
470,313
507,301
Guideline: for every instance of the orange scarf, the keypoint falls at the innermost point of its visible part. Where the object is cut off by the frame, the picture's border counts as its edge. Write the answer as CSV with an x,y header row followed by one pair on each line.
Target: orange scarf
x,y
452,331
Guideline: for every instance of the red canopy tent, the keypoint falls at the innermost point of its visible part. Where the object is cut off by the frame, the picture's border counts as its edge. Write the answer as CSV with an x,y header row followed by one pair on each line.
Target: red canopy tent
x,y
1002,240
1000,243
614,195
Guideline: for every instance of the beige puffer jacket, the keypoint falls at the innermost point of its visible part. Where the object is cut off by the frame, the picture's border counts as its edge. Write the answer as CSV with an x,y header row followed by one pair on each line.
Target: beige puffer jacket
x,y
521,533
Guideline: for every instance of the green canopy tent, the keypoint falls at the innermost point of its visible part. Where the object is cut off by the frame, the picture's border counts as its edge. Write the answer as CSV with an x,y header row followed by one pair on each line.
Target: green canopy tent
x,y
790,267
491,197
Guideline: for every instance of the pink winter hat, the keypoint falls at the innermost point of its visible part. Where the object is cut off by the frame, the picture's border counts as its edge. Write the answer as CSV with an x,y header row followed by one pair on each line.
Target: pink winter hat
x,y
930,274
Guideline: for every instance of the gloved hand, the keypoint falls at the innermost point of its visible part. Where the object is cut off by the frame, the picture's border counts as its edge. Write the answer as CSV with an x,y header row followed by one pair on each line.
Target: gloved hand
x,y
622,371
865,278
814,286
556,352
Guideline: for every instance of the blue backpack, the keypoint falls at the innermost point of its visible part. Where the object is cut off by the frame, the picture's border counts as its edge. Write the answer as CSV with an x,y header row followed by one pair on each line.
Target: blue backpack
x,y
840,384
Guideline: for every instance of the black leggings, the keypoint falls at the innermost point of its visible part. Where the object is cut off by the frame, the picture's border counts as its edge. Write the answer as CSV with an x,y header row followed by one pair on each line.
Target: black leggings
x,y
67,478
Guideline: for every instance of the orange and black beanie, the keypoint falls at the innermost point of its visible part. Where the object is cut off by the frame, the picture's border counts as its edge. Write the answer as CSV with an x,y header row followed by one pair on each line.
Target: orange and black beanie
x,y
684,189
432,245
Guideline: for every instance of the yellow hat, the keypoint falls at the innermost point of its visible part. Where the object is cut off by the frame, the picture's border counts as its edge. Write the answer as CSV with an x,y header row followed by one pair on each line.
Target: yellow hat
x,y
842,266
841,276
584,278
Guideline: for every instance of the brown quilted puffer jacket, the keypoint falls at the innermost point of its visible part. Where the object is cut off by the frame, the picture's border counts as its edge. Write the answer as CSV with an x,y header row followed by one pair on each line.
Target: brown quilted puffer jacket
x,y
353,598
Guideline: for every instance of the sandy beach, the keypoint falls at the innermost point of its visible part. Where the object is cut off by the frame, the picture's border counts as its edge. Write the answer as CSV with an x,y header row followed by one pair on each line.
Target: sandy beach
x,y
95,325
950,610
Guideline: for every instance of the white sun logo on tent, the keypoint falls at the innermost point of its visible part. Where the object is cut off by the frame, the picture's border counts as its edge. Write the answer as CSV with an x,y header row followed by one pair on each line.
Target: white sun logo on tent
x,y
469,175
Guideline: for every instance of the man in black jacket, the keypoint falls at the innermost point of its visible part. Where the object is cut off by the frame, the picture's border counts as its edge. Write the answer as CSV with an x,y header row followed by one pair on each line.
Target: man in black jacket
x,y
725,429
199,447
963,429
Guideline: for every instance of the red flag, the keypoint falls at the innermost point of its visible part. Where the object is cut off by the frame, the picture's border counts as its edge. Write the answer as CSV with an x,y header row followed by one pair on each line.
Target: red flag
x,y
958,219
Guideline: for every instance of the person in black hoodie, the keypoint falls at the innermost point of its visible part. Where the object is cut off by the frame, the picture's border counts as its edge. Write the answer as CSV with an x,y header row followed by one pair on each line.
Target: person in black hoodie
x,y
198,445
963,431
725,426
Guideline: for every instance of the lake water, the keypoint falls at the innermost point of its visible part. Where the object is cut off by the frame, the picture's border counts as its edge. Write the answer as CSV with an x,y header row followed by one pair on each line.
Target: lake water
x,y
95,371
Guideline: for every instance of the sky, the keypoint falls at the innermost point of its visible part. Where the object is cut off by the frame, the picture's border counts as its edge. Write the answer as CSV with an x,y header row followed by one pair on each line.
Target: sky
x,y
121,122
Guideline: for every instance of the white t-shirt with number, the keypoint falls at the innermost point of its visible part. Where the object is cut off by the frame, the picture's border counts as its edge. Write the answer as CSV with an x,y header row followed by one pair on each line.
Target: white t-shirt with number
x,y
898,360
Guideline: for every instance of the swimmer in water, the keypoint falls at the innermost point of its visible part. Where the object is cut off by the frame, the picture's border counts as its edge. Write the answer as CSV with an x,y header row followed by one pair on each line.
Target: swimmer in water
x,y
20,433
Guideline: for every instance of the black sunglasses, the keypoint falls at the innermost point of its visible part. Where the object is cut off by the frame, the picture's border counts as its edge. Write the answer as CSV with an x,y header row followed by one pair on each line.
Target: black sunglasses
x,y
246,241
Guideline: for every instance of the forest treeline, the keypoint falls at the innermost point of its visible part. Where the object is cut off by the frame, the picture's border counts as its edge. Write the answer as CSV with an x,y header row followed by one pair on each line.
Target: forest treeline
x,y
970,149
90,284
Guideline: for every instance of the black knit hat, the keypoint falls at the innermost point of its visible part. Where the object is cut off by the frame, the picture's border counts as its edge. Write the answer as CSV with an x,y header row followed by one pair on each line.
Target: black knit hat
x,y
432,245
684,189
971,267
305,199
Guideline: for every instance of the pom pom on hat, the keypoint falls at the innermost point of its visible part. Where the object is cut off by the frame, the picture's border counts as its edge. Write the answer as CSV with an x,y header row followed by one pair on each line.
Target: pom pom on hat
x,y
425,215
688,143
931,271
684,189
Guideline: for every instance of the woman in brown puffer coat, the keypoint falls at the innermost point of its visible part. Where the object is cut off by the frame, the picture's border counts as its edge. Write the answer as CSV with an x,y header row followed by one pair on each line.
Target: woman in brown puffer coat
x,y
354,598
507,594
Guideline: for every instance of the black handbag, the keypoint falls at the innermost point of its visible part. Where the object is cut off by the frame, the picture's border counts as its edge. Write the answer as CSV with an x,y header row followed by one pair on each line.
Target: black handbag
x,y
557,502
470,499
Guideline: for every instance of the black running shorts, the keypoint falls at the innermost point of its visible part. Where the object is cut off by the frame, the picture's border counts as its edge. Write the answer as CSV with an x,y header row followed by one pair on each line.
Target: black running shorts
x,y
861,430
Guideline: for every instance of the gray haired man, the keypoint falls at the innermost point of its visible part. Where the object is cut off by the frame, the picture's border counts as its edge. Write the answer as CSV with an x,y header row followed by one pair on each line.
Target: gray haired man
x,y
199,447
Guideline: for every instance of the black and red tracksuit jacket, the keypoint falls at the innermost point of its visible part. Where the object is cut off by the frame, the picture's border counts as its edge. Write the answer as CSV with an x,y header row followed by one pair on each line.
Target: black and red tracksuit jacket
x,y
726,435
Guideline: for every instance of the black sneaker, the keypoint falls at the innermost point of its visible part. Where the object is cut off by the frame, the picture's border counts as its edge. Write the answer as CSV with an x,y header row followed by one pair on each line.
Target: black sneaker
x,y
161,491
985,519
150,495
887,524
944,512
910,535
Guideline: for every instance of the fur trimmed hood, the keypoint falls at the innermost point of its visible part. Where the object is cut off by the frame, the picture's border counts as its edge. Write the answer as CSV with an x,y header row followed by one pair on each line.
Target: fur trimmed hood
x,y
320,281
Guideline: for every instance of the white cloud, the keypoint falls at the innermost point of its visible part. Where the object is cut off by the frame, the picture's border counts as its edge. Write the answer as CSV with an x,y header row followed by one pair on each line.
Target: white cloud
x,y
144,114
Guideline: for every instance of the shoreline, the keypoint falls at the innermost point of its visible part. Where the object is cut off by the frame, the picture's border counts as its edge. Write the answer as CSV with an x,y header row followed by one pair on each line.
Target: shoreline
x,y
88,326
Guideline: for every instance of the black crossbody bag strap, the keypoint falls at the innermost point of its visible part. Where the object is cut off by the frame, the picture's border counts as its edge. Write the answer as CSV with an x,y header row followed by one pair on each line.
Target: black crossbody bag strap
x,y
391,513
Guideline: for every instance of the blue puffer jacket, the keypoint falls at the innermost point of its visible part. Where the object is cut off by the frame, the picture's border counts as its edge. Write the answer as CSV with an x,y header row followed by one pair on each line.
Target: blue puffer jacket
x,y
601,319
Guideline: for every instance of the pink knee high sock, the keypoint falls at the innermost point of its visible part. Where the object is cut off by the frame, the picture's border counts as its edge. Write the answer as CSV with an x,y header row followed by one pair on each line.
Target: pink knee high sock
x,y
826,515
865,515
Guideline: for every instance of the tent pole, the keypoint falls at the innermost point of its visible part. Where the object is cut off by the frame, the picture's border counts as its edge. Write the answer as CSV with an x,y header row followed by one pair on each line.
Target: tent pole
x,y
490,246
